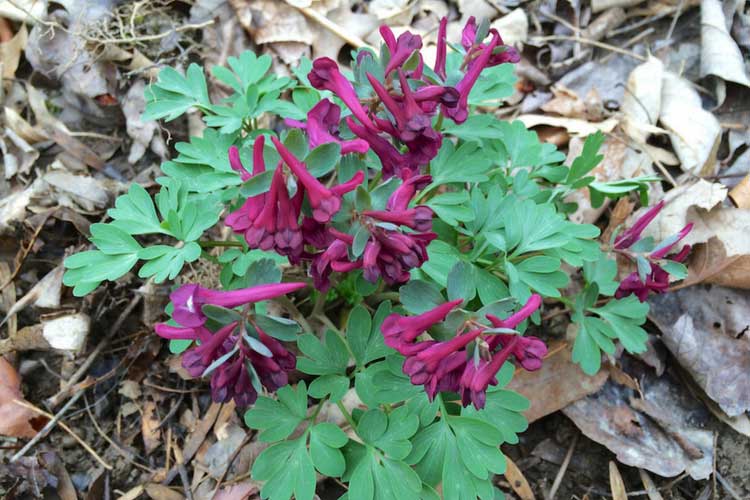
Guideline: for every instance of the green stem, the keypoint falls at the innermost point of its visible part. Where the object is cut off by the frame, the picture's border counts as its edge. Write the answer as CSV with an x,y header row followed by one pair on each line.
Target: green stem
x,y
376,179
347,415
215,243
317,410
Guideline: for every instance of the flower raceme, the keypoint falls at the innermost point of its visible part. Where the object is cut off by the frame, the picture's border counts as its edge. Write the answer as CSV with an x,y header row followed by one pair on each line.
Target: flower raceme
x,y
448,365
655,279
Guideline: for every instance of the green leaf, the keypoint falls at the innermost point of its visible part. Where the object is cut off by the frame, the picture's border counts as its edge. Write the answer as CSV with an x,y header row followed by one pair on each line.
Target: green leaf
x,y
520,145
112,240
134,212
173,94
540,273
587,160
442,258
322,358
86,270
625,317
278,419
335,385
461,283
489,287
675,269
287,470
325,441
494,84
279,328
593,336
385,383
474,163
323,159
419,296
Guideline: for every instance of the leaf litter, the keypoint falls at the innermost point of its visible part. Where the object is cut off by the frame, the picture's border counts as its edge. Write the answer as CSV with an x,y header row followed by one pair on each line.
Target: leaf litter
x,y
637,71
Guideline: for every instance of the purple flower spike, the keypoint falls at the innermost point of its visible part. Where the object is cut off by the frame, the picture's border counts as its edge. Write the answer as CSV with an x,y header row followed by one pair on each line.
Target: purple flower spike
x,y
442,46
519,317
633,234
189,298
323,127
418,218
325,75
435,360
477,377
399,331
400,49
242,219
459,113
667,245
324,202
196,359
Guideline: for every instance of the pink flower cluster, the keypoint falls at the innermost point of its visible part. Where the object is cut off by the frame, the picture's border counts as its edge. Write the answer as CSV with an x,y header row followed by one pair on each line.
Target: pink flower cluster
x,y
232,378
657,279
448,366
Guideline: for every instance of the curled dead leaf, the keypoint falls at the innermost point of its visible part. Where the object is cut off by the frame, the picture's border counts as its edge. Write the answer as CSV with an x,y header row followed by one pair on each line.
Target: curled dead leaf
x,y
15,420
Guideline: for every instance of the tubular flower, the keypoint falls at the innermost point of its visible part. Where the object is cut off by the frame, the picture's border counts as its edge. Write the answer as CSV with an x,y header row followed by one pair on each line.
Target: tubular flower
x,y
394,162
435,360
324,202
400,49
190,298
400,331
334,258
390,254
442,46
656,280
242,219
322,127
418,218
472,46
403,194
325,75
478,376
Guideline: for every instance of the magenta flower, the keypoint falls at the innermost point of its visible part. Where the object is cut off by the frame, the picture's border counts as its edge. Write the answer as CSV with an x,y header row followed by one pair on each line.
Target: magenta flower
x,y
418,218
334,258
469,42
325,75
479,375
322,127
515,319
400,331
460,112
196,359
442,46
242,219
390,254
435,360
528,351
403,194
633,234
393,161
401,49
323,201
190,298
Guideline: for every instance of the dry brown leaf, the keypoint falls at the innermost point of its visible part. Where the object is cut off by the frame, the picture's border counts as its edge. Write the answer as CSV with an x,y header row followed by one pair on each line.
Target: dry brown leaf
x,y
18,155
616,484
66,332
705,329
275,21
710,264
649,486
85,192
557,384
22,128
143,133
663,433
15,420
513,27
10,52
720,56
160,492
600,5
357,25
230,438
740,194
150,427
393,12
695,133
45,293
518,481
239,491
573,125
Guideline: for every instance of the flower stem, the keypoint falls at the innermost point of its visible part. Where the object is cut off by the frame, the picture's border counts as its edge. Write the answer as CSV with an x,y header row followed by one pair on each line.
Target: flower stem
x,y
347,415
215,243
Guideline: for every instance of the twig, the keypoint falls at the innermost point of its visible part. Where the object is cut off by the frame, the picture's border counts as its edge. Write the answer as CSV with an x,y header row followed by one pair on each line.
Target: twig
x,y
588,41
68,430
353,40
244,443
27,249
47,428
62,393
563,468
728,486
629,43
294,312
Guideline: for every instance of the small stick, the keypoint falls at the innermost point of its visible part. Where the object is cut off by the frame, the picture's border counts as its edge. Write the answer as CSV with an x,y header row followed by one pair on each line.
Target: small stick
x,y
55,400
728,486
587,41
563,468
67,429
354,40
47,428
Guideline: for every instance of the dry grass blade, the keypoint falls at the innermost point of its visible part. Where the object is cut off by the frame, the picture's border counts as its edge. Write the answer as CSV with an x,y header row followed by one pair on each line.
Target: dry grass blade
x,y
616,483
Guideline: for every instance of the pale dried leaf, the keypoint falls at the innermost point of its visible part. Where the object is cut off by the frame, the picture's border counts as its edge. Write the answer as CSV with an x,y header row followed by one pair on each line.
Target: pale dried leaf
x,y
87,192
10,52
393,11
329,44
150,427
230,438
14,418
239,491
26,11
18,155
276,21
720,56
513,27
641,104
616,484
158,491
695,133
518,481
13,207
573,125
142,133
130,389
22,128
705,328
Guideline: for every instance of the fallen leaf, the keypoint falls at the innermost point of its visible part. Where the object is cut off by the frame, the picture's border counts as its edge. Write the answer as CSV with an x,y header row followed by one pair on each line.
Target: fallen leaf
x,y
720,56
740,194
705,329
143,133
13,206
393,12
358,25
558,383
239,491
53,463
160,492
616,484
641,104
695,133
150,427
18,155
518,481
573,125
660,433
86,192
15,420
513,27
276,21
230,438
67,332
10,52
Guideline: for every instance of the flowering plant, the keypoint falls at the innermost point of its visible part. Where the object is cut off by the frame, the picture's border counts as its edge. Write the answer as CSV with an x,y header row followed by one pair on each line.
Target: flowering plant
x,y
408,242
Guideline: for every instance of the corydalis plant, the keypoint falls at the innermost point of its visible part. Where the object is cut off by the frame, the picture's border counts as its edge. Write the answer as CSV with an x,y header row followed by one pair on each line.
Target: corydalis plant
x,y
385,239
